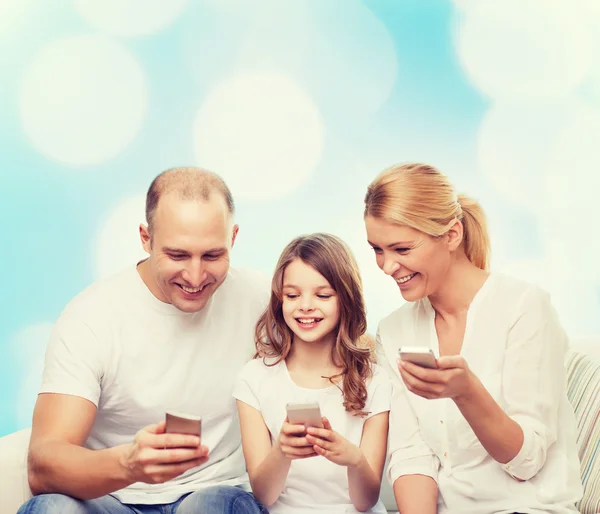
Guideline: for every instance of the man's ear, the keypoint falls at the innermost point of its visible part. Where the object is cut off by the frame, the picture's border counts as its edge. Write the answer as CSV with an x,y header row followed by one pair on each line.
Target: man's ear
x,y
455,235
234,234
145,238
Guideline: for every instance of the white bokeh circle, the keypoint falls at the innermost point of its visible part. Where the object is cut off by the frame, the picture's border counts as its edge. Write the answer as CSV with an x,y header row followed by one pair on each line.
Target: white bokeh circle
x,y
342,40
83,100
29,348
117,244
523,50
130,17
513,149
261,132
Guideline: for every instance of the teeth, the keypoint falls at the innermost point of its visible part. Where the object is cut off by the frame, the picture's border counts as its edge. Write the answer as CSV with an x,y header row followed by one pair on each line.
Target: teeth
x,y
405,279
307,321
191,289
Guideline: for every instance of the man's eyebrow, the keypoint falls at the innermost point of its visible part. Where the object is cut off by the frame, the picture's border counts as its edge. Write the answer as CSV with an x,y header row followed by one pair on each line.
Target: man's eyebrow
x,y
173,250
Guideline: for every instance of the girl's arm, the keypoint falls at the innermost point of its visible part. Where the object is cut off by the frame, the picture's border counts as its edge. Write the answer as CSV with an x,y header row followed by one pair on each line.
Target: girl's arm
x,y
364,479
267,464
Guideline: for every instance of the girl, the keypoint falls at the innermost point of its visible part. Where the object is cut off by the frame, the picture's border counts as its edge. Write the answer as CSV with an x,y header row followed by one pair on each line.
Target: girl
x,y
491,429
309,349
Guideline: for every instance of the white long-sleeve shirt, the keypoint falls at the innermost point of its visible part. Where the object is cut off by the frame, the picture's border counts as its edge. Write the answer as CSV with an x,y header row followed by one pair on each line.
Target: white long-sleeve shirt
x,y
516,347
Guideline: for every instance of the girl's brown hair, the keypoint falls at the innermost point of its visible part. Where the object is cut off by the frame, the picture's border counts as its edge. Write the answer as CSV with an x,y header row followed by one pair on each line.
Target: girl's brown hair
x,y
330,256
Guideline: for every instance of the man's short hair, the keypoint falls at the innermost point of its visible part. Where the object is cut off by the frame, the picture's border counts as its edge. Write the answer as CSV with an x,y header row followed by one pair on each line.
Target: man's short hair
x,y
191,184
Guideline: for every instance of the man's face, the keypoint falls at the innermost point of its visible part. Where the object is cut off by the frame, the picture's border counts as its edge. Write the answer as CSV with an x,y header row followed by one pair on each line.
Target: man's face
x,y
189,250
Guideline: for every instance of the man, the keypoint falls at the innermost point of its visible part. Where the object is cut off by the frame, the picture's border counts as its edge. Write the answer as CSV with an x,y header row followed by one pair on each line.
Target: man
x,y
169,333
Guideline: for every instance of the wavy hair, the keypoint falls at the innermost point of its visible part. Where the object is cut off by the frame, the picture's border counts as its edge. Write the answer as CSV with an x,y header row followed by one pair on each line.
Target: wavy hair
x,y
330,256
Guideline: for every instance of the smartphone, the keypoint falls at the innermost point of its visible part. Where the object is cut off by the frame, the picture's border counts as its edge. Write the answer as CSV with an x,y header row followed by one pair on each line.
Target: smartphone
x,y
307,414
418,355
182,423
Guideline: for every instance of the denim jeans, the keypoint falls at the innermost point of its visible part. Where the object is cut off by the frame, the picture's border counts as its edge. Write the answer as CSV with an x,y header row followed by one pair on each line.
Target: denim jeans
x,y
213,500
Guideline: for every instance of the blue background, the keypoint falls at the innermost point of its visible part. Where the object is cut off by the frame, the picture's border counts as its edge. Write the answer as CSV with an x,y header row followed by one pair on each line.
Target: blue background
x,y
298,105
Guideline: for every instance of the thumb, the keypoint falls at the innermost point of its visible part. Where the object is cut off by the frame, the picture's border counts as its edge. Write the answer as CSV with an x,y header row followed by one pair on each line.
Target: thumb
x,y
451,361
326,424
158,429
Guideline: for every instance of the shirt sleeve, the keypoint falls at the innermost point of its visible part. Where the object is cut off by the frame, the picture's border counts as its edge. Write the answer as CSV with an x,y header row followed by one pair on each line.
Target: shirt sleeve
x,y
534,379
380,392
74,364
407,451
246,384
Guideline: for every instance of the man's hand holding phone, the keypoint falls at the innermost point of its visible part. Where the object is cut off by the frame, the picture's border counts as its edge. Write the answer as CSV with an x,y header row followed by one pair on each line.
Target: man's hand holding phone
x,y
156,456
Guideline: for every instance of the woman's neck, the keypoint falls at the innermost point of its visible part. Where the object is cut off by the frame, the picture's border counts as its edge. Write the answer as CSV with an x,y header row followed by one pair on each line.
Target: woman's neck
x,y
460,286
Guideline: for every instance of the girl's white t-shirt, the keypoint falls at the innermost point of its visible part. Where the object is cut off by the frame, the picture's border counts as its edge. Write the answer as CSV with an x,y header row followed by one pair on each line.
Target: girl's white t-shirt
x,y
314,484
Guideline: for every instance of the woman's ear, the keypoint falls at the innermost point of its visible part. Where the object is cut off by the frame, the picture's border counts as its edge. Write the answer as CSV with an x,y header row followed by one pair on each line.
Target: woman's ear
x,y
455,235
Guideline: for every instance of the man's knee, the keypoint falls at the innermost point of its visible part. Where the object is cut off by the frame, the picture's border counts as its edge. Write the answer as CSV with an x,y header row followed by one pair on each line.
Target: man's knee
x,y
221,500
52,504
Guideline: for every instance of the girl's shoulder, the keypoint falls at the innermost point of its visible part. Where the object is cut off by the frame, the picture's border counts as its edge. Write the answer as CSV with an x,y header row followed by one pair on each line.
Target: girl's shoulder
x,y
260,368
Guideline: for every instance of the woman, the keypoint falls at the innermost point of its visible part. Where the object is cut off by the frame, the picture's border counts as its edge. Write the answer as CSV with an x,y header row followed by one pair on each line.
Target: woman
x,y
490,430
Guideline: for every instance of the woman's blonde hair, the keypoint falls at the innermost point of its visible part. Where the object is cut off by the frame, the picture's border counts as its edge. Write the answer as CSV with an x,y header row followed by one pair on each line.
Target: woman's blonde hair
x,y
419,196
330,256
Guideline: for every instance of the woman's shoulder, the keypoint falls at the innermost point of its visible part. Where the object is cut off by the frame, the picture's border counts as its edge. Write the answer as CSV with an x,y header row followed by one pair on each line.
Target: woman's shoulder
x,y
517,292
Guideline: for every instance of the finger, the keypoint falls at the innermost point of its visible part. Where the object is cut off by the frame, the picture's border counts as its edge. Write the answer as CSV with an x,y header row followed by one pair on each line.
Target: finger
x,y
293,429
326,423
452,361
322,443
174,441
323,433
297,457
416,385
294,441
160,428
425,374
291,451
321,451
160,473
172,455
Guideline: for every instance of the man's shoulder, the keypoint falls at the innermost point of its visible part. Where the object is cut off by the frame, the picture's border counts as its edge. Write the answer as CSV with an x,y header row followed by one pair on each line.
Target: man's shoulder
x,y
247,283
101,294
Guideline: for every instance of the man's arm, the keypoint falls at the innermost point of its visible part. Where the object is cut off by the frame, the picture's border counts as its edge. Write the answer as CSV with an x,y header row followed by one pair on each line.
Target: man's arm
x,y
58,463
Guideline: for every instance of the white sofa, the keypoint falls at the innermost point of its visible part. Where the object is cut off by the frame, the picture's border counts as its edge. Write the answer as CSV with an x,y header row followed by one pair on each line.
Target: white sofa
x,y
583,364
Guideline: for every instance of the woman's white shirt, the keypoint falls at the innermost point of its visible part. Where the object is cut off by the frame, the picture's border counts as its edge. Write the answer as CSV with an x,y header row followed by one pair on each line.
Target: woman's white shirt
x,y
516,347
314,484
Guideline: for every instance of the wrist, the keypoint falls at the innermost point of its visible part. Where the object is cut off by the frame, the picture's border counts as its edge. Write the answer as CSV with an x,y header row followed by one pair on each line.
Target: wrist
x,y
358,459
124,471
469,392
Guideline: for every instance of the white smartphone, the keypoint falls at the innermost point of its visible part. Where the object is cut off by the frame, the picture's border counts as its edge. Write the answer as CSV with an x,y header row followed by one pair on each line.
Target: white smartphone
x,y
307,414
182,423
418,355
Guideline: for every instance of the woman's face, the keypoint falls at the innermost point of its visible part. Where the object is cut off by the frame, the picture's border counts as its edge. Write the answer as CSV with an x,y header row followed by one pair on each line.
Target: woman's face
x,y
416,261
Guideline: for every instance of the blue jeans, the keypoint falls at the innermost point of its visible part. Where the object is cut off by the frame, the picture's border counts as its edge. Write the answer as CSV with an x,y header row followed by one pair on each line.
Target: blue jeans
x,y
222,499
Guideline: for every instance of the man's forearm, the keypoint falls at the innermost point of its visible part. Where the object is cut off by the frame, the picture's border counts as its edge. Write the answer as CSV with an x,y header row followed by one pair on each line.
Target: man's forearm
x,y
61,467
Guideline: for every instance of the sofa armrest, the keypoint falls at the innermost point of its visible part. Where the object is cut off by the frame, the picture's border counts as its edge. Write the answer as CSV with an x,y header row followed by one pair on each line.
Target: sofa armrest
x,y
14,486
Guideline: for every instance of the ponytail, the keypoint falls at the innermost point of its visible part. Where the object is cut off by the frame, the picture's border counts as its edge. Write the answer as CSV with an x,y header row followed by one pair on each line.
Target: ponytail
x,y
476,240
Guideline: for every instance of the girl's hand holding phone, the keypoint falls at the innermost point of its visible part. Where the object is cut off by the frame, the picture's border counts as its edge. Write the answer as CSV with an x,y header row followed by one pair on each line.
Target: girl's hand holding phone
x,y
333,446
292,442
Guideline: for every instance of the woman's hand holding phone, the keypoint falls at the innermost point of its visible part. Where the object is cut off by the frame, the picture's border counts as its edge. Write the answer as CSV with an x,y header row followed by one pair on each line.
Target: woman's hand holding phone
x,y
333,446
451,379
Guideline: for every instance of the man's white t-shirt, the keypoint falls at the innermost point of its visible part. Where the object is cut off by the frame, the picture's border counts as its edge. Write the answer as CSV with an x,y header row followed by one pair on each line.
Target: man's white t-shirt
x,y
134,357
314,484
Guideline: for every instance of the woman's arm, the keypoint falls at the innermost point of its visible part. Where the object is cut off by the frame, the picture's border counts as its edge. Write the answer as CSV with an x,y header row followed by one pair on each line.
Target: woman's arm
x,y
416,494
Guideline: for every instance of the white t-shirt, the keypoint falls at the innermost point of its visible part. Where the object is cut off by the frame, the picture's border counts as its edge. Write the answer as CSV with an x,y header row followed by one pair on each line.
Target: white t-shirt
x,y
134,356
314,484
516,347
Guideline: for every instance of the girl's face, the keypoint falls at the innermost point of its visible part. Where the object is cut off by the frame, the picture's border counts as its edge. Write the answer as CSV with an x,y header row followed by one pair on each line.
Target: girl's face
x,y
417,262
310,305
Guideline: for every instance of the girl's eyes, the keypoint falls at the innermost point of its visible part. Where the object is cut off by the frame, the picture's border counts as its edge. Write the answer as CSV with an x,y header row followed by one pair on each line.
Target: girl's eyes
x,y
321,296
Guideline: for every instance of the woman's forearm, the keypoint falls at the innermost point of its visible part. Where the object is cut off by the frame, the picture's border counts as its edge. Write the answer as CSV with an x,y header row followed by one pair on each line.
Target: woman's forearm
x,y
501,436
363,484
